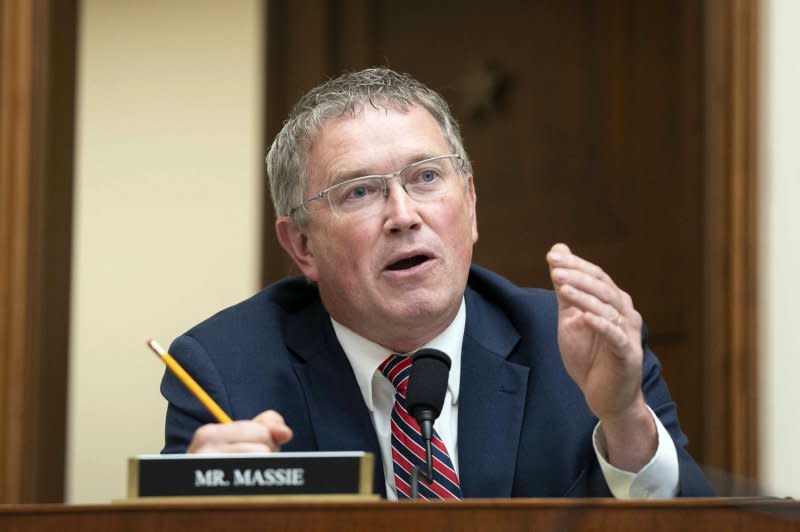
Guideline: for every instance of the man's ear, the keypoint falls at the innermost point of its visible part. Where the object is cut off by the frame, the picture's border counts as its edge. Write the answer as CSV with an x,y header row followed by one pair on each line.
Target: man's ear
x,y
295,242
472,198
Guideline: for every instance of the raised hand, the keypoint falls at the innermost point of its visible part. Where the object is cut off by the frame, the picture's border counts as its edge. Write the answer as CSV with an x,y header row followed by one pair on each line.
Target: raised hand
x,y
599,335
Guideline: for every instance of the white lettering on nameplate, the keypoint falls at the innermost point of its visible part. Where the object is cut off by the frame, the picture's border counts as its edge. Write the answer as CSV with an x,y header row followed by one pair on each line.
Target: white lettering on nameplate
x,y
269,477
210,478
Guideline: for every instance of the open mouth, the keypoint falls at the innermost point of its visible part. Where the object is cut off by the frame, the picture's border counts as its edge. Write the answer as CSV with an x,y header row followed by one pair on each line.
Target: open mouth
x,y
405,264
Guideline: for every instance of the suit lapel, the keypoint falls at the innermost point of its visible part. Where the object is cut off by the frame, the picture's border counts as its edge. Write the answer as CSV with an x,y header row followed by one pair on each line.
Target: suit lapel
x,y
338,416
491,402
491,397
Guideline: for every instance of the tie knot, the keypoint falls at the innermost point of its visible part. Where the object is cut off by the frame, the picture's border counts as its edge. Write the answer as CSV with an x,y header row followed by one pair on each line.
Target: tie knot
x,y
396,368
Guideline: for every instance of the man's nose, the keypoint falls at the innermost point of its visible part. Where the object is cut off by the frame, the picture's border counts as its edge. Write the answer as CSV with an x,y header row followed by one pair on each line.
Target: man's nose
x,y
401,209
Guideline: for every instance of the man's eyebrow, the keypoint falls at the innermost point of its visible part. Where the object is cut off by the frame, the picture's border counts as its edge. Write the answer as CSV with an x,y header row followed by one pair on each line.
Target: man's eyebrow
x,y
338,176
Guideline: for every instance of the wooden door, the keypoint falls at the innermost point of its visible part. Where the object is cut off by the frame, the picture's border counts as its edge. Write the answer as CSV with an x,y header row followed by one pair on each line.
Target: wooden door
x,y
586,122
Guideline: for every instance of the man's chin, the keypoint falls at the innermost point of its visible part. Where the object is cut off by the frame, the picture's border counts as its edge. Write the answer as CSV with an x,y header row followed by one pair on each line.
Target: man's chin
x,y
420,313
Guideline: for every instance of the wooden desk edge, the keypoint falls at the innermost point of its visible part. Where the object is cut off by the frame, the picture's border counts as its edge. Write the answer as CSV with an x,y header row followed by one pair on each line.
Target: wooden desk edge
x,y
374,503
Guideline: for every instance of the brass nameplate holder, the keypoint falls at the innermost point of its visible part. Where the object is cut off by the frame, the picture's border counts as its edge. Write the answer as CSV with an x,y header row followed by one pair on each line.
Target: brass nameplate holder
x,y
252,475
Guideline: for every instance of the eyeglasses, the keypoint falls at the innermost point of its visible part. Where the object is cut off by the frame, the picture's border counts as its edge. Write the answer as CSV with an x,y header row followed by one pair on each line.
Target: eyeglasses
x,y
424,180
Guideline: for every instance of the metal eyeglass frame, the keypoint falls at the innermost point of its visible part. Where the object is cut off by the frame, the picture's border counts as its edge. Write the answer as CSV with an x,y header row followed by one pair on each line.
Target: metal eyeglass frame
x,y
384,177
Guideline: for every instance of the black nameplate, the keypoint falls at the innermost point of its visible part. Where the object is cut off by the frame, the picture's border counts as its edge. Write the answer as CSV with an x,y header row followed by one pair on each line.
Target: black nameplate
x,y
192,475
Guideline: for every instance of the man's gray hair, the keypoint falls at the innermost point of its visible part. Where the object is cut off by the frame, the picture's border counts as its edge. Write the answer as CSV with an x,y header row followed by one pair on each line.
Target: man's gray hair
x,y
348,94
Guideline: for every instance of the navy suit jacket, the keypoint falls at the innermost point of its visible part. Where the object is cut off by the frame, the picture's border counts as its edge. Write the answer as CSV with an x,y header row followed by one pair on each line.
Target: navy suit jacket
x,y
524,429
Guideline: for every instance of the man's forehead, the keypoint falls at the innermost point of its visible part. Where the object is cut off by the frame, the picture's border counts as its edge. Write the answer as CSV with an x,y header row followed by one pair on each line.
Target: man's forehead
x,y
380,140
373,112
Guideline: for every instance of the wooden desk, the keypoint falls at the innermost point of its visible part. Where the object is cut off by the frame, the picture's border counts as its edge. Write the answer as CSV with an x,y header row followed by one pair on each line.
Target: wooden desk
x,y
715,515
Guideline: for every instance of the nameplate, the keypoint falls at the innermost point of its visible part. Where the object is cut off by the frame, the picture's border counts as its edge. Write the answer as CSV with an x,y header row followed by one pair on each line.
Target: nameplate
x,y
192,475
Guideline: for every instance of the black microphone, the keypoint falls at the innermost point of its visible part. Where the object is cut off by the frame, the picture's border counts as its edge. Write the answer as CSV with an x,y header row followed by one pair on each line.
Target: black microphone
x,y
427,385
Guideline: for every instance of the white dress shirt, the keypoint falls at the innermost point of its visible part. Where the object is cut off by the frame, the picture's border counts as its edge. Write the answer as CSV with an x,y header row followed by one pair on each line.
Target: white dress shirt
x,y
657,479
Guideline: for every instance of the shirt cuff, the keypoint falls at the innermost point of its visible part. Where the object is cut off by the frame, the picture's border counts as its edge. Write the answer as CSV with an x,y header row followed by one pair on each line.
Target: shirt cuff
x,y
658,479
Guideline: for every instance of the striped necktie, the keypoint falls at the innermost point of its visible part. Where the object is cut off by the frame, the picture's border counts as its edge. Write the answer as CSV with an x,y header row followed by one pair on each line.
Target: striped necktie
x,y
408,447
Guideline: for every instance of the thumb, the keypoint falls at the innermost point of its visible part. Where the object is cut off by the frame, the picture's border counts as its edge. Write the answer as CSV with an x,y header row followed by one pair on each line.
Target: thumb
x,y
276,426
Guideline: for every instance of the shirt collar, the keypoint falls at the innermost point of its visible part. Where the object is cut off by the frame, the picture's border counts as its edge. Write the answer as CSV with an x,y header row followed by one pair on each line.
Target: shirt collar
x,y
366,356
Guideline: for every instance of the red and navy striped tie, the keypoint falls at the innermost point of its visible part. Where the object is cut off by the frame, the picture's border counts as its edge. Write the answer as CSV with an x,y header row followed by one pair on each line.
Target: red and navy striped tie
x,y
408,448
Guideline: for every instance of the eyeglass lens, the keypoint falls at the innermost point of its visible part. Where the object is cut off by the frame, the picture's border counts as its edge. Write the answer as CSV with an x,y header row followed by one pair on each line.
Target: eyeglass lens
x,y
423,181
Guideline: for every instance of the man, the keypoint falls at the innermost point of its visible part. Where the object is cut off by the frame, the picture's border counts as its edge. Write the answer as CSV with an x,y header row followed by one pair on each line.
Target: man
x,y
550,393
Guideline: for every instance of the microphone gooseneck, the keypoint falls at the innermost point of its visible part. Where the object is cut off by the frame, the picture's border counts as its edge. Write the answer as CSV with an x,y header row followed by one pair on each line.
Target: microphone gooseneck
x,y
427,385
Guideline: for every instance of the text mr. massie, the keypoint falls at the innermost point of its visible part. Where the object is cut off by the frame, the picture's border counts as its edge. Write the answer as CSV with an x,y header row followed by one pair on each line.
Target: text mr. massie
x,y
250,477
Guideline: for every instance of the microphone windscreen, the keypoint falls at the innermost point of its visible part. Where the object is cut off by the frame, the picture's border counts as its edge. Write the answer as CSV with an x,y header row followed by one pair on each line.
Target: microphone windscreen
x,y
427,382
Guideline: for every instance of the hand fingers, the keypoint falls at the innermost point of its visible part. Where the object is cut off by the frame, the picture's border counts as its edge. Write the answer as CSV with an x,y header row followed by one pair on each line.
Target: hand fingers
x,y
601,292
561,256
279,432
266,433
588,302
216,437
554,257
244,447
586,286
615,335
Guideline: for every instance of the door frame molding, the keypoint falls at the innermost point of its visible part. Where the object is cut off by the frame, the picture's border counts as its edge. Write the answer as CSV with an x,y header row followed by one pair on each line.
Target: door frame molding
x,y
731,235
37,122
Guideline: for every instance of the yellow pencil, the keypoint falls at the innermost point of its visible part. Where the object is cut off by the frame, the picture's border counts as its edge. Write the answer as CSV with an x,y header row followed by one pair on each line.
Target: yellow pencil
x,y
189,382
